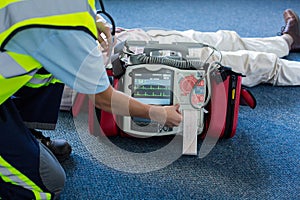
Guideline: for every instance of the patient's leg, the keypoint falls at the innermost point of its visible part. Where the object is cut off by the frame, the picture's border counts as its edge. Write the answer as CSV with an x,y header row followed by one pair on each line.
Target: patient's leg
x,y
263,68
230,41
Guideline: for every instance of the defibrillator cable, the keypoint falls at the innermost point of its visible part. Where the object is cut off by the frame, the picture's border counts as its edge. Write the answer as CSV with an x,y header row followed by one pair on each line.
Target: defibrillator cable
x,y
212,66
113,31
180,64
103,11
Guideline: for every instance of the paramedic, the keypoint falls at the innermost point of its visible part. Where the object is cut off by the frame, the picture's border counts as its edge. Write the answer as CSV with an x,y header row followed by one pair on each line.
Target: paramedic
x,y
62,39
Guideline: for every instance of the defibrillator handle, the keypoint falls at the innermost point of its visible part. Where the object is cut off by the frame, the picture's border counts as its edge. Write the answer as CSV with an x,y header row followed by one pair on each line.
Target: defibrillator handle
x,y
165,47
182,47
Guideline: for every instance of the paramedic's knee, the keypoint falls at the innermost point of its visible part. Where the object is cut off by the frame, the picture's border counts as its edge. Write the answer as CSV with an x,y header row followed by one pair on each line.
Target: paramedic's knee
x,y
51,172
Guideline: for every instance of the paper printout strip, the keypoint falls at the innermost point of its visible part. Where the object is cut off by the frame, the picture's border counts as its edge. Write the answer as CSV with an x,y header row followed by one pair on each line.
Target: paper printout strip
x,y
189,134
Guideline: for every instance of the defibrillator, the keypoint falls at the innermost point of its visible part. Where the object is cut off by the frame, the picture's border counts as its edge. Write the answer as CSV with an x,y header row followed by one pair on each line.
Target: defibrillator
x,y
163,74
186,73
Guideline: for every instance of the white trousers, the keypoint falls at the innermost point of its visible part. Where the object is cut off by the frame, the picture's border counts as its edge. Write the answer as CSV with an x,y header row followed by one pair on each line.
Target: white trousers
x,y
260,59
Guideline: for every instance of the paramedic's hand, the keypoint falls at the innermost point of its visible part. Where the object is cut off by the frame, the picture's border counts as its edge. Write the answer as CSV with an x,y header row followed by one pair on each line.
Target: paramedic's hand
x,y
104,37
174,117
167,115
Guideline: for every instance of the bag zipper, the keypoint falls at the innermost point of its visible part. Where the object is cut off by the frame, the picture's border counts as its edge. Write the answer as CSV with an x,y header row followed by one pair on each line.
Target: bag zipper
x,y
230,105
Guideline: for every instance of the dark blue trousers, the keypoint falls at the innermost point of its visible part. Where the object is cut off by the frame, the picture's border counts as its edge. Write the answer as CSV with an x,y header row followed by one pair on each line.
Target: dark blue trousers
x,y
39,107
20,149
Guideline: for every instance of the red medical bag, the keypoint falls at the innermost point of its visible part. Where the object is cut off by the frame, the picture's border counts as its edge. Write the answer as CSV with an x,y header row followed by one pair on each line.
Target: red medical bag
x,y
221,116
221,119
227,94
99,122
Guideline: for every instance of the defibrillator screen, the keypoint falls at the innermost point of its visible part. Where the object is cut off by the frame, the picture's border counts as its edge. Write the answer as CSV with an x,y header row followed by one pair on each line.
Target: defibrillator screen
x,y
153,87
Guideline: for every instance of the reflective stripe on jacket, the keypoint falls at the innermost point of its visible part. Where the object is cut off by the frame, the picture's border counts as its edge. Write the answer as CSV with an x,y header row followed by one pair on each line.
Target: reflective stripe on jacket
x,y
11,175
17,70
67,14
39,80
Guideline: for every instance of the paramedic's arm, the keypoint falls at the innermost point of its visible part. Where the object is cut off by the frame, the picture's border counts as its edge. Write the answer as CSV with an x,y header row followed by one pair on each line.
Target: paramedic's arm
x,y
119,103
104,39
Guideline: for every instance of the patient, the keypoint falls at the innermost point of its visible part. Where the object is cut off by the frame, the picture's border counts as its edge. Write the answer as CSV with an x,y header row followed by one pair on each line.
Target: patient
x,y
260,59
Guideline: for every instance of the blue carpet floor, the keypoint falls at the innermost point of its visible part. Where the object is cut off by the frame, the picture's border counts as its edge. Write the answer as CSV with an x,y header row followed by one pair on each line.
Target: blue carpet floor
x,y
262,161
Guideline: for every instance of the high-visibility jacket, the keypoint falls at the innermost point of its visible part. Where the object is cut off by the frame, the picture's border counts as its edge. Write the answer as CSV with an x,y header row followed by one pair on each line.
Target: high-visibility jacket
x,y
16,70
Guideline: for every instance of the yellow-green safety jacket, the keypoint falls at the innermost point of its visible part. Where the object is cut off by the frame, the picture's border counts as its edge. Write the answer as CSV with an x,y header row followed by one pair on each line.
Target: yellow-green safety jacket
x,y
17,70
